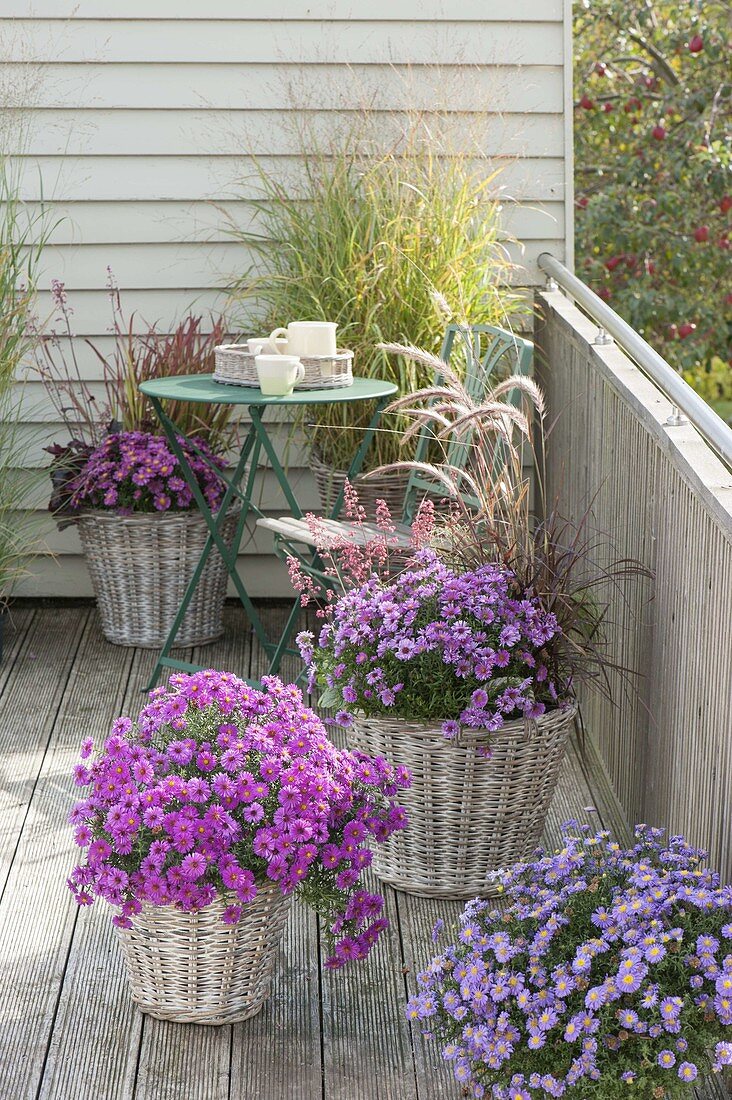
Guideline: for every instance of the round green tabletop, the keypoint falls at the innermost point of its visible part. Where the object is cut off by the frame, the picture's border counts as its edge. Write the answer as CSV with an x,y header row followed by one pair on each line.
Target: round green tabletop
x,y
201,387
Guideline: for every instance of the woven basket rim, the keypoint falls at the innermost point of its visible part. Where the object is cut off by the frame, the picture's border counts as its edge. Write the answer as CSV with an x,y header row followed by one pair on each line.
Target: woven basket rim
x,y
384,475
511,729
102,515
341,354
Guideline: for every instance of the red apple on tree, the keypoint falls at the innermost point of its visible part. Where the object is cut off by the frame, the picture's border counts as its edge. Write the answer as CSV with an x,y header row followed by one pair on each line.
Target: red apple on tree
x,y
586,103
701,234
658,132
725,203
686,329
696,44
613,262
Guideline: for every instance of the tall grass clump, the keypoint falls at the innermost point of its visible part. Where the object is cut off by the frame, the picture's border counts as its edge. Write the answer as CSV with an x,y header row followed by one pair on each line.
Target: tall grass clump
x,y
369,240
22,238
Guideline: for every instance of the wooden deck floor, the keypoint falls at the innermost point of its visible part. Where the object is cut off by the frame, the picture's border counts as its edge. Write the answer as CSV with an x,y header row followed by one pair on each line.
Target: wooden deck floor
x,y
67,1027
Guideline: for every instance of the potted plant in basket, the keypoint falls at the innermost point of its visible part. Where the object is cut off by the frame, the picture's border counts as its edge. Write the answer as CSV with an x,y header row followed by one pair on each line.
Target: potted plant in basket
x,y
608,974
204,816
462,665
118,481
367,236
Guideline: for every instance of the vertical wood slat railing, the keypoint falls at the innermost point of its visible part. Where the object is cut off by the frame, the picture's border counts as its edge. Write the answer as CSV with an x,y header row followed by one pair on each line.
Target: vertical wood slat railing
x,y
662,497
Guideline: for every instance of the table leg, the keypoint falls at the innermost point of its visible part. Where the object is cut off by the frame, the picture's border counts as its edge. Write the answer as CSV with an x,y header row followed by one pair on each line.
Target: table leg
x,y
250,450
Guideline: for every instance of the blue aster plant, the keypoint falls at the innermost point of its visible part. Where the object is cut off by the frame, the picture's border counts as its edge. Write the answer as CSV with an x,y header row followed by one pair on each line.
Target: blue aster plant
x,y
608,974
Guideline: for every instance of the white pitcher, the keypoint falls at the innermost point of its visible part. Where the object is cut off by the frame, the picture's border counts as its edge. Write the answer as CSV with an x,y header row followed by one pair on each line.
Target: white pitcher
x,y
305,338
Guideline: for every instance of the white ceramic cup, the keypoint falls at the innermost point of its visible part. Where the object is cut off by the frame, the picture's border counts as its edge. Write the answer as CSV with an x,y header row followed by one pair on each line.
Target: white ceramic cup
x,y
261,345
305,338
278,374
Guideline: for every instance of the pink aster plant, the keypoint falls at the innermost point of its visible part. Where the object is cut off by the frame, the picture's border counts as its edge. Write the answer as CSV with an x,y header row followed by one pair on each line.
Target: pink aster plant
x,y
218,787
138,472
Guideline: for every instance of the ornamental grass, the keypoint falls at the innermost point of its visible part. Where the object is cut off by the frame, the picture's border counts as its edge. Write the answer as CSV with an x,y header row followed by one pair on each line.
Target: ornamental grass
x,y
378,224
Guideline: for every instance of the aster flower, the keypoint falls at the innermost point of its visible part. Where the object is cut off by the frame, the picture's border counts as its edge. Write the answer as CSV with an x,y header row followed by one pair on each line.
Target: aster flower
x,y
559,995
465,649
254,791
137,472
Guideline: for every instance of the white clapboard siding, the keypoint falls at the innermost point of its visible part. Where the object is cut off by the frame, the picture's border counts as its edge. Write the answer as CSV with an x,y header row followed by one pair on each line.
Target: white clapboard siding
x,y
208,87
489,11
398,42
269,133
169,222
143,119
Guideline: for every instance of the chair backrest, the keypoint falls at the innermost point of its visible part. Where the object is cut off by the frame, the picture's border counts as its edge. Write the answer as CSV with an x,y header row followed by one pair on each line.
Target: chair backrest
x,y
488,350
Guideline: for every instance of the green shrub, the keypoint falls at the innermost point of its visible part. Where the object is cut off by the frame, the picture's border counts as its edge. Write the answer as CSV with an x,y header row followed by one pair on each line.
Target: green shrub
x,y
653,92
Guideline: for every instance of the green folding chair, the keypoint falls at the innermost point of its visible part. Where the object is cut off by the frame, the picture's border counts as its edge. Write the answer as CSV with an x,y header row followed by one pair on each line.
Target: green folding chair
x,y
488,350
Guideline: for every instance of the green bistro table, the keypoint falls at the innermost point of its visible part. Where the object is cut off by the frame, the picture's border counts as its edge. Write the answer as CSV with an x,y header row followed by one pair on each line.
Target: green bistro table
x,y
202,388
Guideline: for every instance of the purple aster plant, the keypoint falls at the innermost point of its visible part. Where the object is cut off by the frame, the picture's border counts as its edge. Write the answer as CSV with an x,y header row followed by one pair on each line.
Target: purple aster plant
x,y
217,788
466,649
607,975
137,472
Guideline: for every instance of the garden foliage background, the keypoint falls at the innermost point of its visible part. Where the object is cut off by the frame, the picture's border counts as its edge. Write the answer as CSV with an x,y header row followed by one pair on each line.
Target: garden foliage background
x,y
653,148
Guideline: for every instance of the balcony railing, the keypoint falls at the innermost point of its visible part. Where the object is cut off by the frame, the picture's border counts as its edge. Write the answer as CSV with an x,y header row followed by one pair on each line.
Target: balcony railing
x,y
638,447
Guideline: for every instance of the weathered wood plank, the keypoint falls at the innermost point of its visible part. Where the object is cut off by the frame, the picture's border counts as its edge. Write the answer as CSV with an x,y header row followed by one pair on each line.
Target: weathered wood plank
x,y
367,1047
278,1053
17,628
36,687
37,913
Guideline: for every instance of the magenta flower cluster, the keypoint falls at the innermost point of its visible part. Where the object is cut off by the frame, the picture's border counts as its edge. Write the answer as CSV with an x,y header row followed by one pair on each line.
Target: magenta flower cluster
x,y
137,472
466,649
608,975
218,787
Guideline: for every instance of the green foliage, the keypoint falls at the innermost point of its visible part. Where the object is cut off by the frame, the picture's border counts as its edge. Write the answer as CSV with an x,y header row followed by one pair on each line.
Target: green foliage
x,y
653,92
372,243
713,382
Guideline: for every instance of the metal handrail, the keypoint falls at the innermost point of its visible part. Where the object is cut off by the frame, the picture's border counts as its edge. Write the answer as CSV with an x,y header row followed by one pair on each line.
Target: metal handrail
x,y
683,398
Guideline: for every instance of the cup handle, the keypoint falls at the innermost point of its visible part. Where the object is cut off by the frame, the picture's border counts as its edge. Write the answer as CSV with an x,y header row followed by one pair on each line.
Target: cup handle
x,y
299,373
278,335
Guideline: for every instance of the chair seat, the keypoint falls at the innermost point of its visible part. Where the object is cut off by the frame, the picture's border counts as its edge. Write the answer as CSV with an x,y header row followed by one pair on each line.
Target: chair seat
x,y
299,530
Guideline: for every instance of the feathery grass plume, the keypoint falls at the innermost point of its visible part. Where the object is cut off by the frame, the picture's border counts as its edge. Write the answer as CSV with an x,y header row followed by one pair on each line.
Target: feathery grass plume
x,y
387,235
499,512
136,357
23,235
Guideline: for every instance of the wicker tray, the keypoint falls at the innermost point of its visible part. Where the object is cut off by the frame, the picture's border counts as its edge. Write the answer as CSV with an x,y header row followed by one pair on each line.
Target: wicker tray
x,y
391,487
235,366
468,816
140,566
193,968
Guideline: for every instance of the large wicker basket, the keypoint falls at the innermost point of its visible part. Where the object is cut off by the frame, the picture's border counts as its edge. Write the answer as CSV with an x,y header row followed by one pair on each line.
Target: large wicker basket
x,y
468,816
391,487
194,969
235,366
140,566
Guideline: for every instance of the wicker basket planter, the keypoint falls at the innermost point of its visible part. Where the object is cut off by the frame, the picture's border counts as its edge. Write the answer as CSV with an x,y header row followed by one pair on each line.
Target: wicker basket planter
x,y
140,566
235,366
193,968
468,816
391,487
